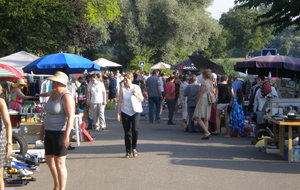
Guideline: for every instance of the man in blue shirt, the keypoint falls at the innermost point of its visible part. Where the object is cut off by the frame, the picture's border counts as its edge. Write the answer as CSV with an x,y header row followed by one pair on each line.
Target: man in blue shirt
x,y
154,96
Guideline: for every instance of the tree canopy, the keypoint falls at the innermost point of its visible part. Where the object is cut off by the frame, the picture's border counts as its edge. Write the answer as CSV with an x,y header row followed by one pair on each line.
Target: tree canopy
x,y
280,13
43,27
169,29
244,32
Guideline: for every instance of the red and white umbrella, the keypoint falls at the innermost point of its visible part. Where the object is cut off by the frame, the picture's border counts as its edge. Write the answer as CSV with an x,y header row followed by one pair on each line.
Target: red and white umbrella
x,y
9,73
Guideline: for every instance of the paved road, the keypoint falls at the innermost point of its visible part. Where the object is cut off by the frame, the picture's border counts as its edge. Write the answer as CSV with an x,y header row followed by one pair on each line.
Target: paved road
x,y
171,160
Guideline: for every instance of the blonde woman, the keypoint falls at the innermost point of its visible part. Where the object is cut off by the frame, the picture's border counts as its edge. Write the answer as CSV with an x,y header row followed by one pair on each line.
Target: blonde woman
x,y
203,108
126,112
5,137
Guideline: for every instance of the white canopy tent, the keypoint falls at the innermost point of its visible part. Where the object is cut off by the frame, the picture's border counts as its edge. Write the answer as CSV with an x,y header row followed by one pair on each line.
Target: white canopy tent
x,y
161,65
18,60
106,63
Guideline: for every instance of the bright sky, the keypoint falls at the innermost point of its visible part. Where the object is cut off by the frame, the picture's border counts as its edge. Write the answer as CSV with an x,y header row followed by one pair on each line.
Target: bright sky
x,y
220,6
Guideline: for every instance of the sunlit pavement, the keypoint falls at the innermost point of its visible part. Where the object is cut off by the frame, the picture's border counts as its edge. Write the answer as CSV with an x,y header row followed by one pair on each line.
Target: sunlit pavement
x,y
170,159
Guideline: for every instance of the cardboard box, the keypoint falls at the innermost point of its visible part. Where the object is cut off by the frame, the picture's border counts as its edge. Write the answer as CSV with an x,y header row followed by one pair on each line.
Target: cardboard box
x,y
295,151
32,128
33,131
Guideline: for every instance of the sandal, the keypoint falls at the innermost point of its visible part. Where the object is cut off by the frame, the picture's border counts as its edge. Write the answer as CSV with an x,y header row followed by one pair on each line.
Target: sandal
x,y
215,133
127,155
134,153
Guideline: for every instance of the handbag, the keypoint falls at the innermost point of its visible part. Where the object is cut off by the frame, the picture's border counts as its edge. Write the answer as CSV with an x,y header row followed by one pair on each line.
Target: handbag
x,y
211,98
136,104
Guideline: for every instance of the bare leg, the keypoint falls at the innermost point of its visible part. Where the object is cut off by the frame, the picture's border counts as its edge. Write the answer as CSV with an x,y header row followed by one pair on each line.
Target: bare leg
x,y
227,124
51,164
1,179
204,127
62,173
218,122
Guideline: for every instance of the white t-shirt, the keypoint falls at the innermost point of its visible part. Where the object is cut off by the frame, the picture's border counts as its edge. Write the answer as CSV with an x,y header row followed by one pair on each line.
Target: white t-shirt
x,y
96,92
162,84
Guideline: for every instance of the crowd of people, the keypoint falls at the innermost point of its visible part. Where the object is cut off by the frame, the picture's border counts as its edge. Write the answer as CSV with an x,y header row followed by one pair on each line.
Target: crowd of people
x,y
203,99
207,100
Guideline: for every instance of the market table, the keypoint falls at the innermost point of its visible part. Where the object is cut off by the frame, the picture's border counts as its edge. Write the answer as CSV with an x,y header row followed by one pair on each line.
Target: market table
x,y
282,125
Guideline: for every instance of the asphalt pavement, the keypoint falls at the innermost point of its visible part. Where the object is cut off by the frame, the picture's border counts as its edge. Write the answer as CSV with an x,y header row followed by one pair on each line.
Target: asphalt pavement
x,y
170,159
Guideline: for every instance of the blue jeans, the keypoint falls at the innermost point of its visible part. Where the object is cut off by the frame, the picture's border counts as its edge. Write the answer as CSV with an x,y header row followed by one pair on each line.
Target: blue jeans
x,y
154,102
191,124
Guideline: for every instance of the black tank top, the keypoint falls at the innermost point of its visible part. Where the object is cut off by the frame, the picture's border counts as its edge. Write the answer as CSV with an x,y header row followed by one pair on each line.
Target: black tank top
x,y
224,94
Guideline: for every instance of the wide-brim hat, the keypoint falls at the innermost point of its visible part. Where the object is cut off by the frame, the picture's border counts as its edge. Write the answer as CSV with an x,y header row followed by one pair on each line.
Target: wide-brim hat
x,y
19,82
60,77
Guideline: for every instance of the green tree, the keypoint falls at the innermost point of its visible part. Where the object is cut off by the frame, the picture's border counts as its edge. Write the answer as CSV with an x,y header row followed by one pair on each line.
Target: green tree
x,y
244,32
43,27
218,46
287,42
171,29
281,13
101,14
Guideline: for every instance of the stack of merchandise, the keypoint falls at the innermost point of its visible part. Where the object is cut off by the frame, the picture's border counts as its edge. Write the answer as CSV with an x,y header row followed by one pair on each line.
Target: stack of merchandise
x,y
20,170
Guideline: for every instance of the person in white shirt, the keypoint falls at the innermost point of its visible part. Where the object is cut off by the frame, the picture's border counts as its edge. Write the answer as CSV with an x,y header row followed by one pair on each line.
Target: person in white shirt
x,y
127,113
183,99
97,100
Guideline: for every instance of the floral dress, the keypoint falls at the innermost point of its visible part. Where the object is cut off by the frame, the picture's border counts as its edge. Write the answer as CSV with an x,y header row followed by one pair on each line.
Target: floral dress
x,y
237,120
3,159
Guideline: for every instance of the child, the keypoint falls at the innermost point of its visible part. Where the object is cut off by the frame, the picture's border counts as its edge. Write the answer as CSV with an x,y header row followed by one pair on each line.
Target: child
x,y
237,114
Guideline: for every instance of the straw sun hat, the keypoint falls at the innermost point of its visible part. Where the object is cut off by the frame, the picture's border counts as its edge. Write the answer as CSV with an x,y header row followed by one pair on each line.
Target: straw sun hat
x,y
19,82
60,77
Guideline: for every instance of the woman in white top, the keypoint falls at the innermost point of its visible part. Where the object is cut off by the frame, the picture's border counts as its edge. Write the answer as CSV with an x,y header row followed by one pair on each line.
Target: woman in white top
x,y
125,110
97,100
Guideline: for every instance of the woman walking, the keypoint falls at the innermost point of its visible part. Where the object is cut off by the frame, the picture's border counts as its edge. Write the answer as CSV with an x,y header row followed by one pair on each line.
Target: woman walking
x,y
59,119
203,107
5,137
128,113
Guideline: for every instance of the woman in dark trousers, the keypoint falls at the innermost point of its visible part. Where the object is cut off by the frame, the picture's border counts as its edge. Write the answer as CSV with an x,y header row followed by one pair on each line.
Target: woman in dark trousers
x,y
125,111
171,99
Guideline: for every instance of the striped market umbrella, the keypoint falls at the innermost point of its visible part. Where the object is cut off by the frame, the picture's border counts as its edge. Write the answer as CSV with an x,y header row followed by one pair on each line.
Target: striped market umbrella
x,y
8,73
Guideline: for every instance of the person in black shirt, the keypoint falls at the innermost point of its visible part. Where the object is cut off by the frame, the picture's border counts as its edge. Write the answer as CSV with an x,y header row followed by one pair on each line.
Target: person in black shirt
x,y
225,97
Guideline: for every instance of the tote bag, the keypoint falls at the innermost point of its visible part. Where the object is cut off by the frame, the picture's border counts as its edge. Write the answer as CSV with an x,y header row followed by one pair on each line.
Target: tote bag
x,y
136,104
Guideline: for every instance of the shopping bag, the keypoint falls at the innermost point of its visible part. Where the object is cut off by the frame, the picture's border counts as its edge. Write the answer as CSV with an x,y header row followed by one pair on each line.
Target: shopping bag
x,y
136,104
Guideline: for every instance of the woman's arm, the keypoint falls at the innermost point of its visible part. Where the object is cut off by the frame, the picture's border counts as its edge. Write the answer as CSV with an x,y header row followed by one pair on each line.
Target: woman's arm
x,y
119,103
104,94
138,93
6,122
23,96
232,96
201,92
69,107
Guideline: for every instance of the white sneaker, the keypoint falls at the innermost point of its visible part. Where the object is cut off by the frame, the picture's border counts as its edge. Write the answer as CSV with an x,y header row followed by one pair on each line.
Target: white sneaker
x,y
25,172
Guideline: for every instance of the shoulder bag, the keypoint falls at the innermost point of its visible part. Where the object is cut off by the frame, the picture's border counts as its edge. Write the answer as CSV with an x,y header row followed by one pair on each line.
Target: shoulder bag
x,y
136,104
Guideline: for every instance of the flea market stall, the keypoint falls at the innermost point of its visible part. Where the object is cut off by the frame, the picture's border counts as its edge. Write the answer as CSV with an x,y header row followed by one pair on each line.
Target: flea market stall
x,y
281,114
